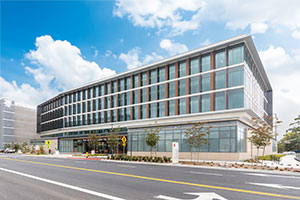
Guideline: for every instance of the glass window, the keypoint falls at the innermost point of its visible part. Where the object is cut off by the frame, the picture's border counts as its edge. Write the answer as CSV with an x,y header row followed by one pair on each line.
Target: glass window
x,y
153,93
96,91
171,90
144,95
89,106
224,145
121,114
90,90
144,79
121,99
194,104
205,82
161,109
220,101
161,91
236,76
128,113
214,145
135,114
113,101
220,59
79,96
107,102
107,116
101,92
205,103
114,87
182,69
171,72
127,98
101,104
135,97
236,55
143,111
205,63
194,66
136,81
79,108
128,83
95,105
194,85
171,107
182,106
107,88
153,76
220,79
161,74
236,98
182,87
113,115
153,110
121,85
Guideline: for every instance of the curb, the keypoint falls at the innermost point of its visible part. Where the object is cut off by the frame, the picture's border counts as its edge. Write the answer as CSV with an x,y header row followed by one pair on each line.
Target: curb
x,y
83,158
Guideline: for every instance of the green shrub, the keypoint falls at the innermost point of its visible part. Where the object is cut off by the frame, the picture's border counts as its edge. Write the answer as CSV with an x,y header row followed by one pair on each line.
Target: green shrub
x,y
272,157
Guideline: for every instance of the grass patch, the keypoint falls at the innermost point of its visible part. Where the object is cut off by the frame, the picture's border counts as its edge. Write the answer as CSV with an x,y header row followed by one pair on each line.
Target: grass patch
x,y
271,157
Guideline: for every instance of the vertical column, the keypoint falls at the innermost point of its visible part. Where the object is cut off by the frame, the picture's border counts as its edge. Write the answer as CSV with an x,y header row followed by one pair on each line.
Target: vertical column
x,y
104,102
187,100
212,81
148,95
117,99
227,74
131,98
139,95
166,90
176,88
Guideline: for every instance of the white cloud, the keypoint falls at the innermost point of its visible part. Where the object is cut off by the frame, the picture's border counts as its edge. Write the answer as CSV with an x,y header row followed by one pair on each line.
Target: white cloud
x,y
63,61
206,42
60,66
133,60
173,14
258,27
296,34
172,47
108,53
96,52
284,72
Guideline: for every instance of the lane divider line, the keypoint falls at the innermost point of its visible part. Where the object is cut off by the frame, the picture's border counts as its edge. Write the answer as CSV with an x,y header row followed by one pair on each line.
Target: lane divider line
x,y
162,180
63,185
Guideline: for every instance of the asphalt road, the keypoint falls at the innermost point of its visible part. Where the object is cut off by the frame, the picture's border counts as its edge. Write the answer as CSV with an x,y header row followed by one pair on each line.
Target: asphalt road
x,y
31,177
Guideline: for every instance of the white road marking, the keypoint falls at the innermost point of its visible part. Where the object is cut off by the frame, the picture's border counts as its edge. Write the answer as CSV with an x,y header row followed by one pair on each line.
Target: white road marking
x,y
201,196
64,185
279,186
272,175
128,166
203,173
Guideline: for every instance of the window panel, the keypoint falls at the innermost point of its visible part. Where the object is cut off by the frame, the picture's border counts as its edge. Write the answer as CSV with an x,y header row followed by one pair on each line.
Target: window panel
x,y
171,90
161,74
161,109
205,103
182,69
194,85
182,87
205,63
220,101
220,79
236,55
153,110
153,93
171,107
144,79
182,106
236,76
205,82
236,98
220,59
153,76
194,104
171,71
194,66
161,91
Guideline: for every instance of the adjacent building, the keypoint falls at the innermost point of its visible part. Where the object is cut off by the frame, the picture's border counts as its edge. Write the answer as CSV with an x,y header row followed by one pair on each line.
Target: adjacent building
x,y
17,123
223,84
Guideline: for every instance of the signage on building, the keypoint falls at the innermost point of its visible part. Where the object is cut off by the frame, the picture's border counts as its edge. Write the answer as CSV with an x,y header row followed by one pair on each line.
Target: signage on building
x,y
175,152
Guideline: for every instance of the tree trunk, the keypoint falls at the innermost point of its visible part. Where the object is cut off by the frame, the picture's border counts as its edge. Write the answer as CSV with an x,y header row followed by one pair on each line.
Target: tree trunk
x,y
257,154
198,153
262,163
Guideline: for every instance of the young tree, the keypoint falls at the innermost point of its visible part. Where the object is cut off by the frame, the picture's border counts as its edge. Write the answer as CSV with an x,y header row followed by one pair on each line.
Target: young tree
x,y
190,137
25,147
201,135
93,142
42,151
262,133
113,139
7,146
152,138
16,147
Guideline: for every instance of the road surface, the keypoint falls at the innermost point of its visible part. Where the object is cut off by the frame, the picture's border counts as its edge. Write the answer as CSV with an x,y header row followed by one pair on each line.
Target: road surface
x,y
31,177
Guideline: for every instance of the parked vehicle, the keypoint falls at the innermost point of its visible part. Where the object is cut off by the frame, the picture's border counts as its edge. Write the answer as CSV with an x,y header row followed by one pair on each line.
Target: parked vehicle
x,y
1,150
7,150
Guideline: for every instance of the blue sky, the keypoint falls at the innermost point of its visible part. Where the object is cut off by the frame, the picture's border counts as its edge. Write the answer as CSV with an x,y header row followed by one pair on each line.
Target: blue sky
x,y
47,47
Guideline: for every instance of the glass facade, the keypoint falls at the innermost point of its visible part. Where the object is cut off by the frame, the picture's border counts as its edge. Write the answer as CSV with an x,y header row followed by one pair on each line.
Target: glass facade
x,y
221,139
194,104
205,82
220,101
205,63
171,71
220,79
194,66
182,69
220,59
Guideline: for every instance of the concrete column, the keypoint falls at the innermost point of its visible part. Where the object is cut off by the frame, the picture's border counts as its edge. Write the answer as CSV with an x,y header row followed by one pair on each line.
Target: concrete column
x,y
212,81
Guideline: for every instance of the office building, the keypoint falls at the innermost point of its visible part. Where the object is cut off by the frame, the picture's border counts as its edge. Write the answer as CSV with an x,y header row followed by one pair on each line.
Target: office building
x,y
223,84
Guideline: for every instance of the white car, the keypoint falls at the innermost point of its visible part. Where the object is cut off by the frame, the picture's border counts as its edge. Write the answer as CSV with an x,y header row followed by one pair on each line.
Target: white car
x,y
7,150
